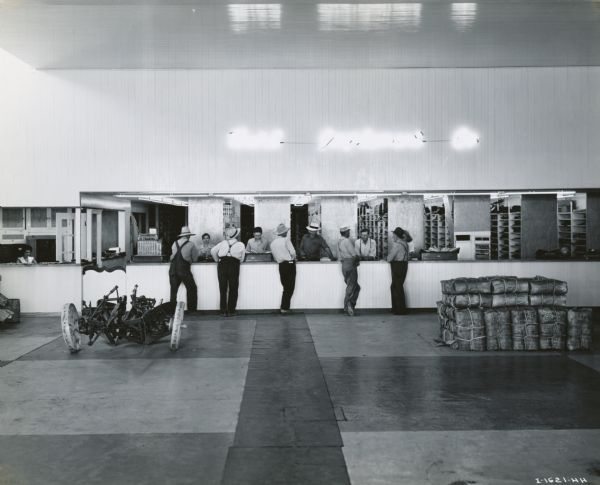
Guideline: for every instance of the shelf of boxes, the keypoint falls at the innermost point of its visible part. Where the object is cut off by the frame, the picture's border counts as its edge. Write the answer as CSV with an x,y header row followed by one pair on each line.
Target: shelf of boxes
x,y
572,225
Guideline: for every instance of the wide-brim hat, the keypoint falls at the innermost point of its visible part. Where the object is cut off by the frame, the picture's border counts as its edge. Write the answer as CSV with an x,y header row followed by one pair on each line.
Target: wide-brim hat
x,y
345,229
231,231
313,227
281,229
185,231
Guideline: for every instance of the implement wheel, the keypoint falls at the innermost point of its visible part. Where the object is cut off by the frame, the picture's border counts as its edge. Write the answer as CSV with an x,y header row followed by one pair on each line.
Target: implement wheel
x,y
70,327
176,325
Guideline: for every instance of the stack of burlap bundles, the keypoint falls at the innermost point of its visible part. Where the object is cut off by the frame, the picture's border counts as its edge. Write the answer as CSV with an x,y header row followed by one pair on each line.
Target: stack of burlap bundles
x,y
525,328
498,329
464,328
511,313
547,292
579,329
553,328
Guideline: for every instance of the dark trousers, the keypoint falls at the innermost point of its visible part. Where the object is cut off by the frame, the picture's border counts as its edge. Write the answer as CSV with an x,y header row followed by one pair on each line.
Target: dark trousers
x,y
350,272
287,275
228,272
399,269
190,285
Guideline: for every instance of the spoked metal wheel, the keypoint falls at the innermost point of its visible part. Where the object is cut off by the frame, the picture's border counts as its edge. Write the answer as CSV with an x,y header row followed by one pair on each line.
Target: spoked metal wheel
x,y
176,325
70,327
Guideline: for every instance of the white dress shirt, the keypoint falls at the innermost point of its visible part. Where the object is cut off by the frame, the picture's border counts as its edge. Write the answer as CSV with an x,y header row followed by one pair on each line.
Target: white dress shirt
x,y
366,249
282,249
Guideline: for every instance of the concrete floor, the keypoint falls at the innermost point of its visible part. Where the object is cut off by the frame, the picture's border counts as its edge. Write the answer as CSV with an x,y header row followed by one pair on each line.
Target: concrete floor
x,y
301,399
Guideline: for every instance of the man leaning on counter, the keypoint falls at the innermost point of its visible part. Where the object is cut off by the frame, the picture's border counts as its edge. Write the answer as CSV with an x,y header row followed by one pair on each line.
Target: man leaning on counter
x,y
313,246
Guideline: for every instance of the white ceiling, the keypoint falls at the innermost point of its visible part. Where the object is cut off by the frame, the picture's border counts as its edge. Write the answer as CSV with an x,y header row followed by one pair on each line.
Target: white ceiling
x,y
300,34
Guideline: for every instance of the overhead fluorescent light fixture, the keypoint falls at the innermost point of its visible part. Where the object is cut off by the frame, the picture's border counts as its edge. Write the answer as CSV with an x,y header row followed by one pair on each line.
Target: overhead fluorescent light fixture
x,y
254,17
464,139
369,16
369,140
262,140
463,15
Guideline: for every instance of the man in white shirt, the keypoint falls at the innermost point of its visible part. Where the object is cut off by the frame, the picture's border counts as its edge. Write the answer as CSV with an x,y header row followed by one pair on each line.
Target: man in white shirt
x,y
229,254
257,244
27,258
348,255
365,246
284,253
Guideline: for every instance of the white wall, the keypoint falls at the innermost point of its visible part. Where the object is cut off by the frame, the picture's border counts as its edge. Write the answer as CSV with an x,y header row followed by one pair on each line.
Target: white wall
x,y
166,130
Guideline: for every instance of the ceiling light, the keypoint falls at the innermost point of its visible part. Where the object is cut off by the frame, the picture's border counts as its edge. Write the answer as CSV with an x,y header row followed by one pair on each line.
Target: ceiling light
x,y
463,15
369,16
255,16
368,139
243,139
464,138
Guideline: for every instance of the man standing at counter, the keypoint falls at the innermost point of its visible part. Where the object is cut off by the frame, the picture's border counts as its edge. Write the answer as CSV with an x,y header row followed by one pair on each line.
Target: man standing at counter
x,y
229,254
365,246
350,261
183,254
257,244
313,245
205,248
284,253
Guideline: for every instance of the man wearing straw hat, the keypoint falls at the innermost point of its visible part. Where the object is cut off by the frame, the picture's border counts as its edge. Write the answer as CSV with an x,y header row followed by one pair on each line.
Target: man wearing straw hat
x,y
313,246
284,253
183,254
229,254
350,261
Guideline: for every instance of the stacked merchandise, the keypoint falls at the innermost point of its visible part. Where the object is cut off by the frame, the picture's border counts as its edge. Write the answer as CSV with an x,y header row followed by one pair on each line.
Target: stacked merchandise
x,y
510,313
10,310
579,329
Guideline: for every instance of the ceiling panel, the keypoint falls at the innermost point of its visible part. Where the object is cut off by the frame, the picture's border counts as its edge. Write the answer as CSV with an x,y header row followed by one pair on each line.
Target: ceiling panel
x,y
300,34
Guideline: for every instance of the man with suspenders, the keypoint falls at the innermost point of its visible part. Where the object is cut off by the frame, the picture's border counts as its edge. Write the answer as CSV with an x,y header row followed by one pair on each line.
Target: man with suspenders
x,y
229,254
184,253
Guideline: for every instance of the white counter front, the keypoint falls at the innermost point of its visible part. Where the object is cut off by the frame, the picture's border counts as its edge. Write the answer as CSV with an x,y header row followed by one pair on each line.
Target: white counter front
x,y
321,286
42,288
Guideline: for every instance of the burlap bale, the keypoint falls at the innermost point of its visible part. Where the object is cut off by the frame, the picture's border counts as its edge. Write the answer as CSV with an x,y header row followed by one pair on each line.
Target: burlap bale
x,y
525,328
3,300
461,286
553,328
510,299
498,329
547,300
469,300
470,329
579,329
509,284
547,286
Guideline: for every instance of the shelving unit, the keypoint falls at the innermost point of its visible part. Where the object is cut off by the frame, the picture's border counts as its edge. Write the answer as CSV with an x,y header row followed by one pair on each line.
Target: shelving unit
x,y
436,231
572,224
505,225
373,216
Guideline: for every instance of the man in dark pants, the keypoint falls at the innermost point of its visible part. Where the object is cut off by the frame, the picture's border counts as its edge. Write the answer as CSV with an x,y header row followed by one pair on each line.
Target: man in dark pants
x,y
398,257
229,254
183,254
284,253
350,261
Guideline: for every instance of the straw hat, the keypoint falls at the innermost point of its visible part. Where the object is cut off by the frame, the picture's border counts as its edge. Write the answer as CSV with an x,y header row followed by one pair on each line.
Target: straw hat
x,y
231,231
281,229
313,227
185,231
345,229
